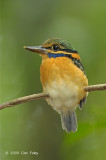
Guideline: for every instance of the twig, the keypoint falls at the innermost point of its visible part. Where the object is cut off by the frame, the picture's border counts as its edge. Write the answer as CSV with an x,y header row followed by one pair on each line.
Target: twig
x,y
95,87
23,100
43,95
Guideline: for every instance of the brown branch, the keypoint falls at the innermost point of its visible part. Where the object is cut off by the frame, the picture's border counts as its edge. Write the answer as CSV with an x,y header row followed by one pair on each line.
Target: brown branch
x,y
23,100
43,95
95,87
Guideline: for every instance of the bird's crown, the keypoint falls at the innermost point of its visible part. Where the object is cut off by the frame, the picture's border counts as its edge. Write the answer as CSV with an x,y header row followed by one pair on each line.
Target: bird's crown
x,y
58,45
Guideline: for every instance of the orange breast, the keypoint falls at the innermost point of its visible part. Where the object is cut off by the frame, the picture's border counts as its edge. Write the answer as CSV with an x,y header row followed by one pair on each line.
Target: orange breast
x,y
62,68
56,68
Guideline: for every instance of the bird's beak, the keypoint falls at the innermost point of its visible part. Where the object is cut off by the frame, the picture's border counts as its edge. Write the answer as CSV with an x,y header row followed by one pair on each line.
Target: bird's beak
x,y
36,49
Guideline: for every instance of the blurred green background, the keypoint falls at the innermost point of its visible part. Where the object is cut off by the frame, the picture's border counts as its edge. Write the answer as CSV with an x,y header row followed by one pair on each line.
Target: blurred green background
x,y
35,126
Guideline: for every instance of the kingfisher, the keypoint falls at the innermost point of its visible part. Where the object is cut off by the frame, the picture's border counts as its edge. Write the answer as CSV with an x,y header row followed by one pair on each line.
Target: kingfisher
x,y
63,78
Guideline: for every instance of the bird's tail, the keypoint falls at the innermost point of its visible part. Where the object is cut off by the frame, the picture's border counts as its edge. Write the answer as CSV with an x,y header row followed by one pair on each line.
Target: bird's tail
x,y
69,121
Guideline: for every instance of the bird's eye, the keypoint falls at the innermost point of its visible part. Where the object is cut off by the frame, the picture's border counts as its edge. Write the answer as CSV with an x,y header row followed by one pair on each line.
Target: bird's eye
x,y
55,47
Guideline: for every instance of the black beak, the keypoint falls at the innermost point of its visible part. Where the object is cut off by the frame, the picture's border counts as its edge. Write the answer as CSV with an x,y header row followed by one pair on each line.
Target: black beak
x,y
36,49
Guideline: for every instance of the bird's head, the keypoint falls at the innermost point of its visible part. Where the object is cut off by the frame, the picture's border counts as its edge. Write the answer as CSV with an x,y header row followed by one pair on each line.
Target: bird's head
x,y
53,48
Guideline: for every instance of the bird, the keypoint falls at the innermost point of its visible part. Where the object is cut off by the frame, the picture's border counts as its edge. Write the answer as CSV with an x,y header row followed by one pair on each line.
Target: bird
x,y
63,78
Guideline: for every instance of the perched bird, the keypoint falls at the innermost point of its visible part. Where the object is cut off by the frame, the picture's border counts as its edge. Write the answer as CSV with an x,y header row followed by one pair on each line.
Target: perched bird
x,y
63,78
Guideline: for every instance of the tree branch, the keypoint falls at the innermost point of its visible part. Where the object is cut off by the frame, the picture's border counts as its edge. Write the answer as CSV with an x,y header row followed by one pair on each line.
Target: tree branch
x,y
33,97
23,100
95,87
